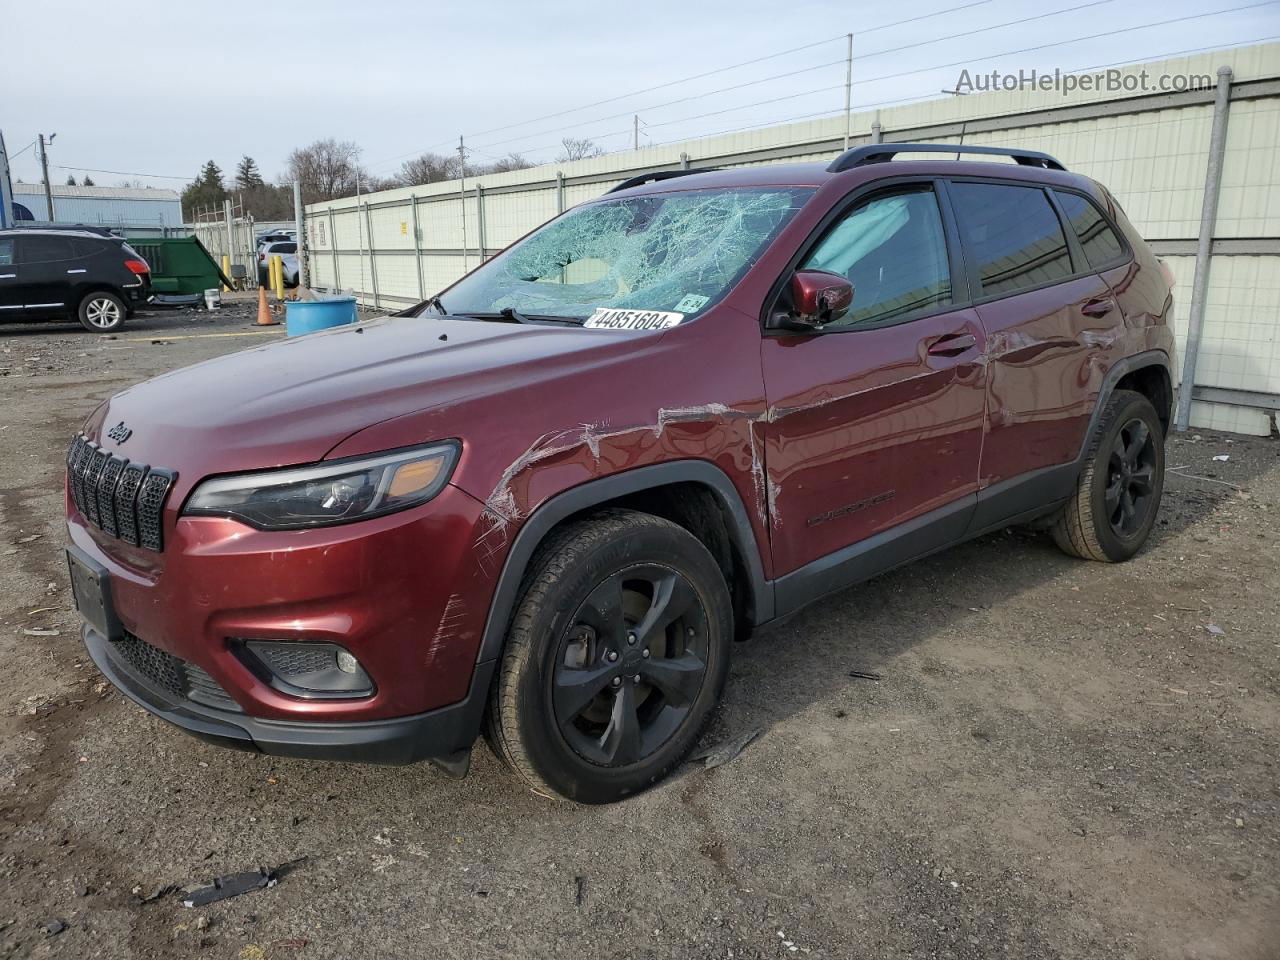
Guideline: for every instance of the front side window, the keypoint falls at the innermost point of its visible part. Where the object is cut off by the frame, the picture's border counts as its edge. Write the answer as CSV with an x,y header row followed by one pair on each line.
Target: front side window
x,y
1100,244
893,251
679,252
1012,235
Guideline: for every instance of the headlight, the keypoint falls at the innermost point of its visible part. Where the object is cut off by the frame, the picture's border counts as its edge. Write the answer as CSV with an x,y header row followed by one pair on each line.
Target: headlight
x,y
328,493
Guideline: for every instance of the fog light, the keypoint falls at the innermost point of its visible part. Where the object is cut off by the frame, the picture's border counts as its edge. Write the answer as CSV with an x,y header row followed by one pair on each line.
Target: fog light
x,y
313,671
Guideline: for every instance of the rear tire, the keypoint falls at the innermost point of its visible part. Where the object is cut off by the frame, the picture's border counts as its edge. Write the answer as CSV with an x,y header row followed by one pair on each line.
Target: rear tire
x,y
616,657
1114,506
102,312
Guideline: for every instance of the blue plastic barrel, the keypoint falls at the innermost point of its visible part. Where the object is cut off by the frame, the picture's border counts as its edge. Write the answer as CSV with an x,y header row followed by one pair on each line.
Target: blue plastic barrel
x,y
308,316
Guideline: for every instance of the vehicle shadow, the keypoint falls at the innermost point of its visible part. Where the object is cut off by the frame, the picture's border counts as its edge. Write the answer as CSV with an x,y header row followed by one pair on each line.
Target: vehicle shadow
x,y
787,668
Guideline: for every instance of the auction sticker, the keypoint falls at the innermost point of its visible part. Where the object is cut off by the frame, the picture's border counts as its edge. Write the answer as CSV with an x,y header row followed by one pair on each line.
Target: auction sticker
x,y
608,319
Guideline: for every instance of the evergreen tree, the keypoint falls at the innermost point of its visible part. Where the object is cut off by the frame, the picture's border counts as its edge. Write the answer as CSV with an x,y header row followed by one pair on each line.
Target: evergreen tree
x,y
71,180
87,181
205,191
247,174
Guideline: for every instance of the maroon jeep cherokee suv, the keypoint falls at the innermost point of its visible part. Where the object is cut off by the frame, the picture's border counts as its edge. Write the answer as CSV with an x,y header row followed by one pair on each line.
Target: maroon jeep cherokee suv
x,y
544,503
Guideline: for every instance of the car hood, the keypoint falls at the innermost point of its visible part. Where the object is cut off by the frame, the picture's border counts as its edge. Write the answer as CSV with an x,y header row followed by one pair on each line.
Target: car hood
x,y
293,401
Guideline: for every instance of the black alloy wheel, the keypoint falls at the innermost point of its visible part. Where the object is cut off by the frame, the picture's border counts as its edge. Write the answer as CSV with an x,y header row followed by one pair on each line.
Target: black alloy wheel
x,y
630,666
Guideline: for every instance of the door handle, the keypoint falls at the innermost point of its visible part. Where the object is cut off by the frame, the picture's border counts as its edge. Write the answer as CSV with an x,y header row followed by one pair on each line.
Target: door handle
x,y
952,345
78,271
7,276
1099,307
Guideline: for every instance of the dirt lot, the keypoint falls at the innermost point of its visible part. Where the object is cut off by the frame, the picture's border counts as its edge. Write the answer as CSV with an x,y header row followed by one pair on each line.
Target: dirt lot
x,y
1060,759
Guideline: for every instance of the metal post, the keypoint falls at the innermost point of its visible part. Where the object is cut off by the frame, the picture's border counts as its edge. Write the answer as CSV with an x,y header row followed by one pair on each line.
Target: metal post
x,y
333,245
417,246
360,235
559,191
1204,245
635,132
684,161
481,244
877,132
848,91
44,165
302,237
373,260
231,239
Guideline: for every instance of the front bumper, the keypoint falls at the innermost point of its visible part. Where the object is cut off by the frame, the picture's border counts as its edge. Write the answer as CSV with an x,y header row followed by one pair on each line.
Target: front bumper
x,y
440,734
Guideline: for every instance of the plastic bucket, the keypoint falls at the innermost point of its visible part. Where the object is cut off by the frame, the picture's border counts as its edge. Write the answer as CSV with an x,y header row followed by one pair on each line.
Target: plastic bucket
x,y
308,316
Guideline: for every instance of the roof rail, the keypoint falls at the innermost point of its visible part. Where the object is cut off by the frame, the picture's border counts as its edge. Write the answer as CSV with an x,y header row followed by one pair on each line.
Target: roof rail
x,y
881,152
655,175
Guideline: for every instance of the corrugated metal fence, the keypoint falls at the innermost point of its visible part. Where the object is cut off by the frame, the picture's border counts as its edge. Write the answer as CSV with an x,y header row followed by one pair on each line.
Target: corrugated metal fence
x,y
1149,147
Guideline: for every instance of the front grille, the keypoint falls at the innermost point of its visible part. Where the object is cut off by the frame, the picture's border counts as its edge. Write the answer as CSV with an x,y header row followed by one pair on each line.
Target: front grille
x,y
125,500
172,675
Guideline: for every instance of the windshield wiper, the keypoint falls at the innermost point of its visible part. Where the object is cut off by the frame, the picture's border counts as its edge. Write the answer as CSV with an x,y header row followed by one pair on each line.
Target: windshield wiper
x,y
513,315
510,315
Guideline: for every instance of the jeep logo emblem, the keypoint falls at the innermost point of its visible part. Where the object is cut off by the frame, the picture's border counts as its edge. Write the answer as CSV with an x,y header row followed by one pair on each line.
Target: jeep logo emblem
x,y
120,433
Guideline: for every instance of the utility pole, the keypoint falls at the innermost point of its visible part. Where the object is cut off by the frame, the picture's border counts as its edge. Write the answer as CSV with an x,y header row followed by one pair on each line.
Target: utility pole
x,y
44,165
462,199
635,126
848,91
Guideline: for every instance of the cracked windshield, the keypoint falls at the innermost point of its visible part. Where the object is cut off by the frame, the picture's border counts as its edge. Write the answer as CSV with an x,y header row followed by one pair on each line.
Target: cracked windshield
x,y
676,252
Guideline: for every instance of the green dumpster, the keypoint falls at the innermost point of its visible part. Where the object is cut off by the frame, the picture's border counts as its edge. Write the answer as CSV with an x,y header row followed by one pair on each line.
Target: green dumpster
x,y
180,265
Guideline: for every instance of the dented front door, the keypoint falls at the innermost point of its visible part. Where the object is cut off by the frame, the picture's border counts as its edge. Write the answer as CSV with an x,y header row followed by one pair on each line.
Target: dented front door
x,y
868,430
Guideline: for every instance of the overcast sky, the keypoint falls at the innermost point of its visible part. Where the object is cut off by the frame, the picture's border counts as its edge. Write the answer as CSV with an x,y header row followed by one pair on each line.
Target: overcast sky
x,y
159,88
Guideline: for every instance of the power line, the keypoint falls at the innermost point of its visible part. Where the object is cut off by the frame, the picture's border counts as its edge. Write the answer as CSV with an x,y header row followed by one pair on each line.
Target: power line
x,y
122,173
1092,36
934,96
656,106
993,56
698,76
578,124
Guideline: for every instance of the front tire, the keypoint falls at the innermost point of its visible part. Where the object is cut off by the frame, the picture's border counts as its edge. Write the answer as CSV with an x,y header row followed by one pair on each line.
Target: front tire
x,y
1114,506
102,312
616,658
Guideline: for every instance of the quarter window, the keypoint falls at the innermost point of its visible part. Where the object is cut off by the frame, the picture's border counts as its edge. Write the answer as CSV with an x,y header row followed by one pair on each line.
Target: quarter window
x,y
1100,243
893,251
6,253
44,249
1012,235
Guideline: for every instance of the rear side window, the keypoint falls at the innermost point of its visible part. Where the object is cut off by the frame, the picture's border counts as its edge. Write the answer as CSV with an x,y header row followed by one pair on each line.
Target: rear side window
x,y
6,253
1100,243
1012,235
44,249
893,251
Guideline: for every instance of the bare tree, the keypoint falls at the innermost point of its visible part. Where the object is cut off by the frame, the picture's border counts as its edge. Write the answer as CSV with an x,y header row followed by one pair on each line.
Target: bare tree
x,y
512,161
428,168
326,169
578,148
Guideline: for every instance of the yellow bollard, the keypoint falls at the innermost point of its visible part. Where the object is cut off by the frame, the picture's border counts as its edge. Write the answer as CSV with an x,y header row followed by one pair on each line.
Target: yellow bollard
x,y
226,271
277,276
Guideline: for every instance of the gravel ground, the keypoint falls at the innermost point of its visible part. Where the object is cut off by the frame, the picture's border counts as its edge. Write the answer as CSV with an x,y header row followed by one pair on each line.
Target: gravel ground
x,y
1059,759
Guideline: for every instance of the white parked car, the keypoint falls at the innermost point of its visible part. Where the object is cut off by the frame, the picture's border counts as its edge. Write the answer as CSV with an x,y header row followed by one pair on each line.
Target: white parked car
x,y
288,252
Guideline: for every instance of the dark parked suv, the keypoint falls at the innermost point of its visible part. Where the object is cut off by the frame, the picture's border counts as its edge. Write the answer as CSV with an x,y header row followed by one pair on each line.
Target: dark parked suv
x,y
545,503
70,274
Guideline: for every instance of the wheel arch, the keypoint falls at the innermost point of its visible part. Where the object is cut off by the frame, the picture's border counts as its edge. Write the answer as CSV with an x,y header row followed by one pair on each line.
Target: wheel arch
x,y
685,492
1144,371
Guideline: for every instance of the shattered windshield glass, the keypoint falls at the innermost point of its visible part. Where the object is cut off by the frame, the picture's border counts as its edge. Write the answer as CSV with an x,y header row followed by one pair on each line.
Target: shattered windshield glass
x,y
679,251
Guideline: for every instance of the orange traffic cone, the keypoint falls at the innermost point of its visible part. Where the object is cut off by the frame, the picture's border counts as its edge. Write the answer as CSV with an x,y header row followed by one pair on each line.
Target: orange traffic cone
x,y
264,312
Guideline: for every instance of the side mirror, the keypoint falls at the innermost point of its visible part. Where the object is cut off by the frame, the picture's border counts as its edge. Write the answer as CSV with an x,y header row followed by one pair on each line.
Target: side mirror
x,y
819,297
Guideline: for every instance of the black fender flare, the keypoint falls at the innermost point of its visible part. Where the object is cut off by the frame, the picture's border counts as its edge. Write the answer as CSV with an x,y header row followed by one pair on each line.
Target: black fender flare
x,y
1117,372
596,492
